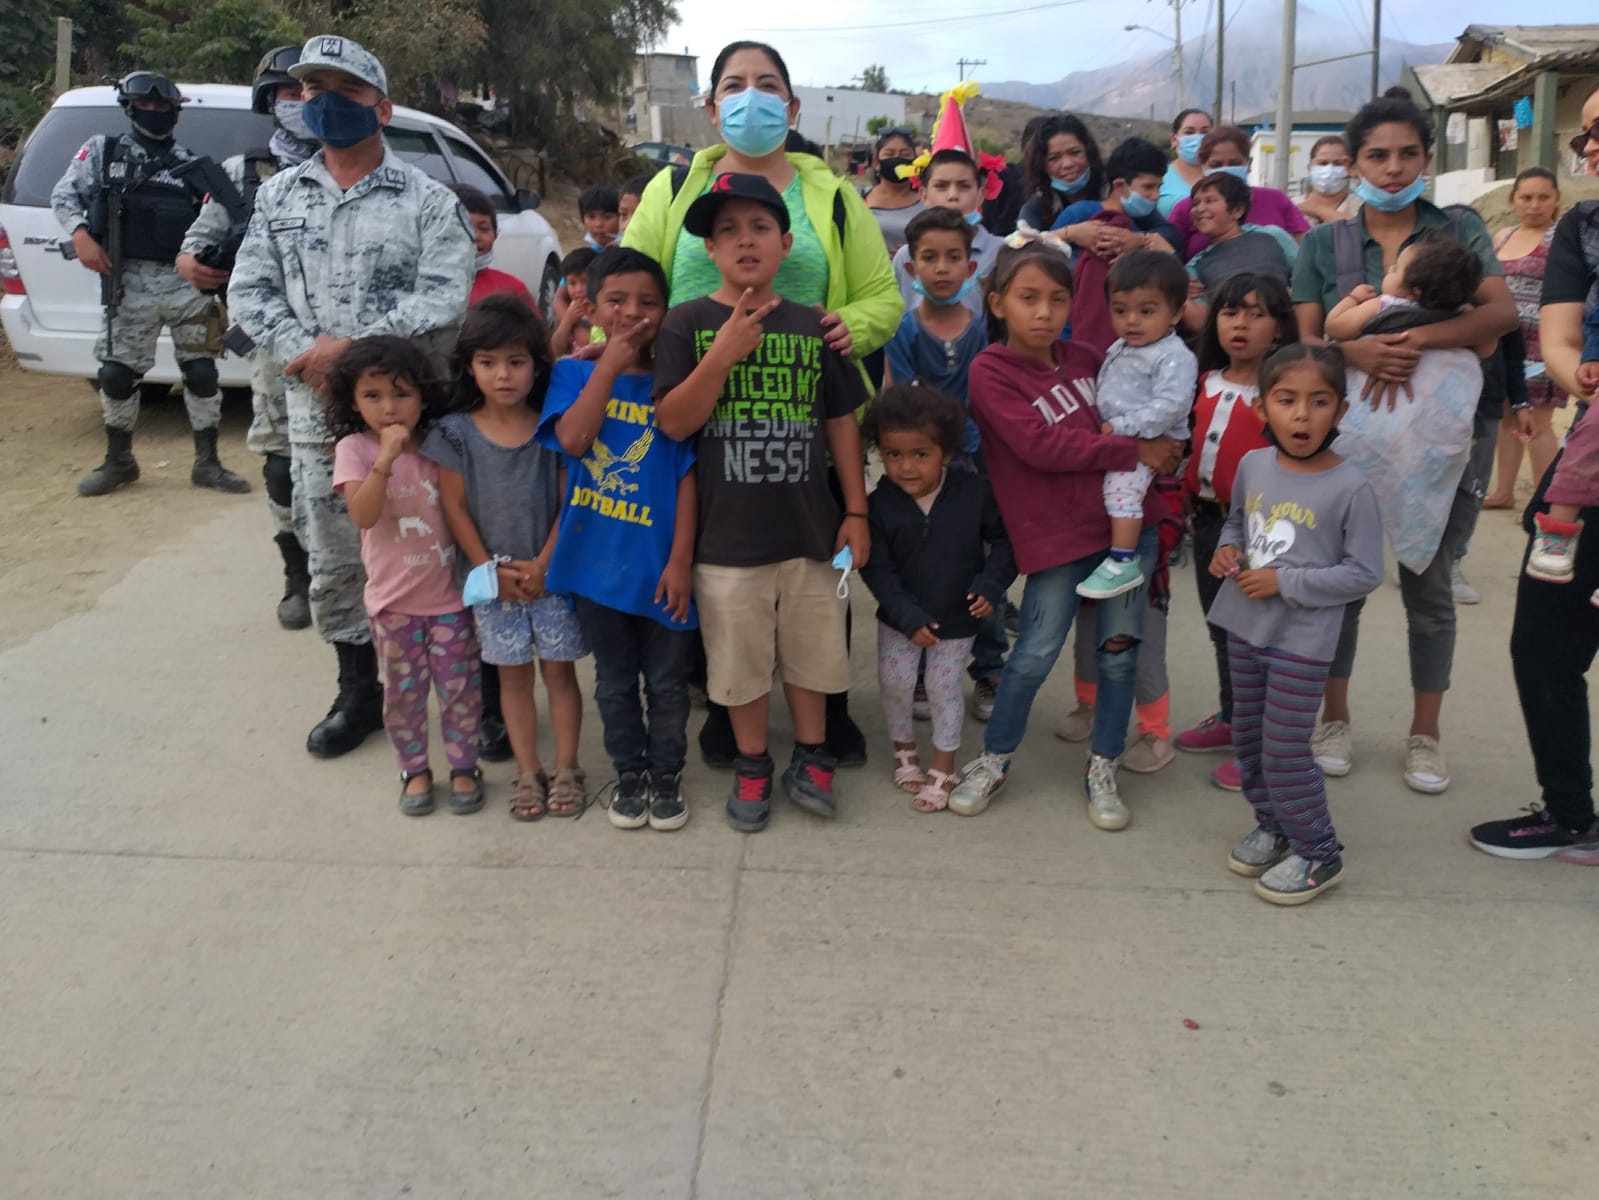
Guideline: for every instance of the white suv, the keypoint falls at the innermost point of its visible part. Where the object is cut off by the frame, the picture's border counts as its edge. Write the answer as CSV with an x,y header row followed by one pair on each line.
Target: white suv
x,y
51,307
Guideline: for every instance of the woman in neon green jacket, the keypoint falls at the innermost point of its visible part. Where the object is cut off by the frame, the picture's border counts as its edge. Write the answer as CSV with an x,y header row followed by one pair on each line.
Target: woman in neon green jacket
x,y
838,261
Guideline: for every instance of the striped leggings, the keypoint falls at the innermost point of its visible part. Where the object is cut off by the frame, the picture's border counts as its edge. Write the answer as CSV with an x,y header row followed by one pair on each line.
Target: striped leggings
x,y
1275,700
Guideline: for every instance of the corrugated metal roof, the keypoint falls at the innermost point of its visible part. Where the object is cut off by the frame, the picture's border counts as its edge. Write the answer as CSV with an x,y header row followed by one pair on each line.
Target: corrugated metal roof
x,y
1530,41
1448,83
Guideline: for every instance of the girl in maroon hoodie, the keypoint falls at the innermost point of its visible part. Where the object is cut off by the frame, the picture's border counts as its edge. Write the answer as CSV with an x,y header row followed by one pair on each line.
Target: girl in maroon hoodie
x,y
1032,396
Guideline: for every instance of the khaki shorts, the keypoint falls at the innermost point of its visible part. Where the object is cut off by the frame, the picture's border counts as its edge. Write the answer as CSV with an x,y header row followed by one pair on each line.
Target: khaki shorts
x,y
755,619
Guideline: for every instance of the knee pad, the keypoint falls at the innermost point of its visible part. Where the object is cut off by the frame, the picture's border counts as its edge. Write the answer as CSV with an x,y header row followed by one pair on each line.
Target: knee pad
x,y
200,376
117,381
279,479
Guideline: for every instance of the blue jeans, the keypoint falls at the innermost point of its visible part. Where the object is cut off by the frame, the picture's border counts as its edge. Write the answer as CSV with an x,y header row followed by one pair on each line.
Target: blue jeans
x,y
1049,605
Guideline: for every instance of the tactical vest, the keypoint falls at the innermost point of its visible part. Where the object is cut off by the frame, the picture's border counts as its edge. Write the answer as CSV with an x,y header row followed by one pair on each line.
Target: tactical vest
x,y
158,206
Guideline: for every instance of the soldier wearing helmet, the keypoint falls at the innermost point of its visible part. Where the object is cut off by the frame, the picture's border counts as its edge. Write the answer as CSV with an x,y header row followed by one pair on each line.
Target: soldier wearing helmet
x,y
205,260
139,193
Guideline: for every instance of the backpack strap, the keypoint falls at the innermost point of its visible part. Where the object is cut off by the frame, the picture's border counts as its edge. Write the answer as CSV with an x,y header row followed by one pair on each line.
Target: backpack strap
x,y
1349,256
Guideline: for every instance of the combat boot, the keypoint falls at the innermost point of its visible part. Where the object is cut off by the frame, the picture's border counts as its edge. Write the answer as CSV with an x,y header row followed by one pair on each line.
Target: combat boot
x,y
118,468
357,712
208,470
294,610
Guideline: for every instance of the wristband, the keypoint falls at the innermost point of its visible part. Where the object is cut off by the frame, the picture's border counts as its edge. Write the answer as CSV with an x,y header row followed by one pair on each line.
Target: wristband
x,y
1522,406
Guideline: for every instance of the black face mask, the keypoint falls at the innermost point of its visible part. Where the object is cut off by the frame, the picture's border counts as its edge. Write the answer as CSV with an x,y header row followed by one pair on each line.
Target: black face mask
x,y
154,123
1271,440
887,169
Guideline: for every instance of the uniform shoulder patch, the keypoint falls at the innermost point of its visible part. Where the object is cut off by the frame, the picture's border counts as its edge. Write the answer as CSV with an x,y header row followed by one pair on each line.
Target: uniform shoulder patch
x,y
83,154
393,177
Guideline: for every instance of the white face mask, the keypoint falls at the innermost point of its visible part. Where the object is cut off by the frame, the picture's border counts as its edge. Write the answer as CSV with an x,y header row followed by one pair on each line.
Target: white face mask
x,y
1329,179
484,260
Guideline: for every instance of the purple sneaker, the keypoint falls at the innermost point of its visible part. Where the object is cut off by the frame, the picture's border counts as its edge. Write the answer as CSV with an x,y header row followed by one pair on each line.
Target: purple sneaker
x,y
1210,736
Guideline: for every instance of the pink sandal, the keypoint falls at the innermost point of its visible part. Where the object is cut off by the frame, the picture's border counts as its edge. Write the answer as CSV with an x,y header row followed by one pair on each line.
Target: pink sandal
x,y
934,794
908,774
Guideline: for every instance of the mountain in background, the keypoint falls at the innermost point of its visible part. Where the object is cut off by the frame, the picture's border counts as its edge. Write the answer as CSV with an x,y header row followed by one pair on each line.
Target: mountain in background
x,y
1254,54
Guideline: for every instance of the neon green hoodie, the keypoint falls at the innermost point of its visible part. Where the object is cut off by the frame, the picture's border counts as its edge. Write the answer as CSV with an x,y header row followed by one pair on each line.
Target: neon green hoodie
x,y
860,279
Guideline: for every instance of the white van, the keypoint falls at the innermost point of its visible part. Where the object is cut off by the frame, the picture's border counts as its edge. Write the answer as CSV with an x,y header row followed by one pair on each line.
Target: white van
x,y
50,307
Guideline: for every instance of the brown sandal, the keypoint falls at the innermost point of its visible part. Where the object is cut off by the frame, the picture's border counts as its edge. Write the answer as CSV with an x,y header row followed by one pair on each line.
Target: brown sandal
x,y
567,797
530,797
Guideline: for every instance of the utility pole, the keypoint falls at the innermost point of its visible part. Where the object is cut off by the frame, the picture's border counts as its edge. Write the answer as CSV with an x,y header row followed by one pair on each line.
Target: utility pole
x,y
1221,33
1376,45
1177,8
1285,98
63,79
963,63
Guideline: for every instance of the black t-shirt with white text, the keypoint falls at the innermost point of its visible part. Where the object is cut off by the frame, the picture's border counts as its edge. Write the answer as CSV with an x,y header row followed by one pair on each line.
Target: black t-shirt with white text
x,y
762,456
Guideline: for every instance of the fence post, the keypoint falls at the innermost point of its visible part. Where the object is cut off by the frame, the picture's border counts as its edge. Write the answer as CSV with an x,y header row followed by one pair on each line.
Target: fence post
x,y
63,79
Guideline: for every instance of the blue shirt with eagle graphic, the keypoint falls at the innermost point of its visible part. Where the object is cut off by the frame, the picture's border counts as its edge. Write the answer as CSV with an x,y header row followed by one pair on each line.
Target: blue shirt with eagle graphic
x,y
621,497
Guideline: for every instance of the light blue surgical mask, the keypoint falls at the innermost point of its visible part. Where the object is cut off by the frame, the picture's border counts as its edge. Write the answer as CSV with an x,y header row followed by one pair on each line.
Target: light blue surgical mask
x,y
1235,172
753,122
945,301
1391,201
973,217
1137,206
1071,187
1188,147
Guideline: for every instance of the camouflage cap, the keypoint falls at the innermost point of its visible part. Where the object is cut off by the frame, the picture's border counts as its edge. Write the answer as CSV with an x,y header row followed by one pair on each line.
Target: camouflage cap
x,y
341,54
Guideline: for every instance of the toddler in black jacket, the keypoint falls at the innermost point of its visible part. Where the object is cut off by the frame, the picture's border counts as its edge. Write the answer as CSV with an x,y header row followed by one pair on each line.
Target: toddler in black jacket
x,y
940,562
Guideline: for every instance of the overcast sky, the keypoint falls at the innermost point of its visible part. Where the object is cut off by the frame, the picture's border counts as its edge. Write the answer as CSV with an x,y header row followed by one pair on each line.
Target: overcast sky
x,y
919,41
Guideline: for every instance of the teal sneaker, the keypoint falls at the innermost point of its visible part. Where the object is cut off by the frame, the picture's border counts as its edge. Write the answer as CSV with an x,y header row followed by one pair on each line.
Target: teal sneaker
x,y
1111,578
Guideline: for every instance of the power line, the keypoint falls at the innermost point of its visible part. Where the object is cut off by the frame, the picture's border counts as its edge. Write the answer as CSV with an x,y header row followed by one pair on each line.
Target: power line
x,y
969,18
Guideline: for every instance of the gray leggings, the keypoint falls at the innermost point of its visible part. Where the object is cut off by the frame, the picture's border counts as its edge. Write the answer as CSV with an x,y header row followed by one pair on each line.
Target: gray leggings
x,y
1429,603
1150,682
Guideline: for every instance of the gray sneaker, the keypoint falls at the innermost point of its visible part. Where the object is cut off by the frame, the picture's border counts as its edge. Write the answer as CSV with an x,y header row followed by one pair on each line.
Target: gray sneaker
x,y
1298,880
1464,593
749,803
980,779
1105,807
983,693
808,782
1258,852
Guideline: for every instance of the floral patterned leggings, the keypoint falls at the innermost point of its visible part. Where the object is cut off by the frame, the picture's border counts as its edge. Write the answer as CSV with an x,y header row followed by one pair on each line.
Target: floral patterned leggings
x,y
413,651
897,660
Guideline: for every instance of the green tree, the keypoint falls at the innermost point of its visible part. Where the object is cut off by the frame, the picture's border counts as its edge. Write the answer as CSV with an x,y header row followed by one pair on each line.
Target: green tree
x,y
421,43
27,65
218,41
874,78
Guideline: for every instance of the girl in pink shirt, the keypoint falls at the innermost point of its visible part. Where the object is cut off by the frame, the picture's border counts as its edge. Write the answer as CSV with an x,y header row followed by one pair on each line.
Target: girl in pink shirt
x,y
381,396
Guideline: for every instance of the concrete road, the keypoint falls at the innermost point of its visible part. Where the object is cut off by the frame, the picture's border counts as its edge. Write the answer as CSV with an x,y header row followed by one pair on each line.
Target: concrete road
x,y
233,971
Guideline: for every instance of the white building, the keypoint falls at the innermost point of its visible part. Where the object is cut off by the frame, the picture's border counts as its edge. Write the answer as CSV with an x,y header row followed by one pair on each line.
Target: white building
x,y
838,116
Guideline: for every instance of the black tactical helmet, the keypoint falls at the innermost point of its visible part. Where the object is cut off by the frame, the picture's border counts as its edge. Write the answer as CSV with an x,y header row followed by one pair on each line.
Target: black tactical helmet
x,y
270,74
147,85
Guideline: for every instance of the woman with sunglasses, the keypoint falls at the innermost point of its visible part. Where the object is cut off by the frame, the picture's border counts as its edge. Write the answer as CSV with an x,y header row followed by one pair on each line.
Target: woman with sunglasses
x,y
893,200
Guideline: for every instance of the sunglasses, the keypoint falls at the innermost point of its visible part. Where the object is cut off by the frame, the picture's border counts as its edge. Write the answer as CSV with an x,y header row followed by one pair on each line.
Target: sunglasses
x,y
1579,144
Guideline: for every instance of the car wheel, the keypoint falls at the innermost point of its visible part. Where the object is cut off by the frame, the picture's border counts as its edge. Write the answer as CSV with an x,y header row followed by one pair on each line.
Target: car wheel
x,y
547,288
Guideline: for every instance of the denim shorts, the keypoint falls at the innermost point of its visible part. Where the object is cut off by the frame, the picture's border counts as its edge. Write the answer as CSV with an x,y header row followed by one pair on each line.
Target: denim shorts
x,y
512,633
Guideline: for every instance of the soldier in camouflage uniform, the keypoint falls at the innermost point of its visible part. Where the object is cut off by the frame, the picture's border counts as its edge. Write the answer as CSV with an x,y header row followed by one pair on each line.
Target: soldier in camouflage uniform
x,y
353,242
205,260
161,185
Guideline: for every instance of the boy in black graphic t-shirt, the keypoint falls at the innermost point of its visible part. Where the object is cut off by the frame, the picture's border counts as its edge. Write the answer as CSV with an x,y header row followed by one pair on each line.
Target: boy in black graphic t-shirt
x,y
749,373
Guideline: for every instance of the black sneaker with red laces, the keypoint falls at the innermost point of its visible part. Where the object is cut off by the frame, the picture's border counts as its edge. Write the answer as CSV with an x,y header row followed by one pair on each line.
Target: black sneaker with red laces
x,y
808,782
1536,834
749,804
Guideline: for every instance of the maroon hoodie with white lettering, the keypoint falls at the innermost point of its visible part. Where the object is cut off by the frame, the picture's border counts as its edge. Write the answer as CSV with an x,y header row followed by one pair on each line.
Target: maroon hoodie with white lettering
x,y
1045,453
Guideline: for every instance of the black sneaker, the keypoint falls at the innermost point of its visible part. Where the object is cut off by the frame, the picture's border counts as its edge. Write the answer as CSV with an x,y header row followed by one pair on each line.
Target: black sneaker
x,y
717,746
493,742
1536,834
668,809
808,782
630,805
845,742
749,804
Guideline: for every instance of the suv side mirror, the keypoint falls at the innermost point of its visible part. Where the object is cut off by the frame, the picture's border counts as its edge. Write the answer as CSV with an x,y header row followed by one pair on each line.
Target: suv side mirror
x,y
527,199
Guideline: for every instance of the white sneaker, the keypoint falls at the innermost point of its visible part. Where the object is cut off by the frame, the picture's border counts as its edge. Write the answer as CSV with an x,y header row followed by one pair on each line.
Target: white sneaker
x,y
1333,748
1461,587
1425,770
1148,754
1077,725
1105,807
980,779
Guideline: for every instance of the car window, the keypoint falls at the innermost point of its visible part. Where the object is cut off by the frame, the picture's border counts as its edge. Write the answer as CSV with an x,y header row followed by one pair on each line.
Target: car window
x,y
218,133
472,168
420,149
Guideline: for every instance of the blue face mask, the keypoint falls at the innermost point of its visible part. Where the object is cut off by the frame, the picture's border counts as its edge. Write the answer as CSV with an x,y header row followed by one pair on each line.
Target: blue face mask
x,y
947,301
1073,187
1136,206
338,121
753,122
1188,147
1235,172
973,217
1391,201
